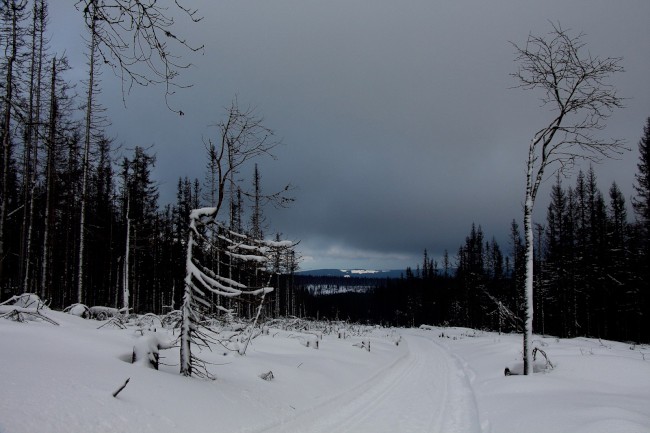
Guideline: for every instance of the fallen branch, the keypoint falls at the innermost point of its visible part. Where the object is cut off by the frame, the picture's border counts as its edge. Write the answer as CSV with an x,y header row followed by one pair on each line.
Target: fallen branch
x,y
19,314
121,388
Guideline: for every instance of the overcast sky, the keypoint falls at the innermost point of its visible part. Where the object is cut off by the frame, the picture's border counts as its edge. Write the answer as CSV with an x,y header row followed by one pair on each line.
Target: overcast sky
x,y
399,122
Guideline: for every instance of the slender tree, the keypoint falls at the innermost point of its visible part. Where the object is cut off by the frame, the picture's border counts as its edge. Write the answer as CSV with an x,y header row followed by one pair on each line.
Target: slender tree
x,y
574,85
33,136
60,132
12,34
90,131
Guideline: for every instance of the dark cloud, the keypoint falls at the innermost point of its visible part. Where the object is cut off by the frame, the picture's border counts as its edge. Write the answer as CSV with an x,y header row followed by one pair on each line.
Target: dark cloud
x,y
399,124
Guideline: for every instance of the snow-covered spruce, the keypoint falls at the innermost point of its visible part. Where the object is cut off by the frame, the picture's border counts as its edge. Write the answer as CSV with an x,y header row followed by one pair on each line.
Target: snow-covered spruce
x,y
209,241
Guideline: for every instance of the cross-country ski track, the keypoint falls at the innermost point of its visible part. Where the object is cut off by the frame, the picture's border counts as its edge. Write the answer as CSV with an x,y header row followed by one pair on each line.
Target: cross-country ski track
x,y
426,390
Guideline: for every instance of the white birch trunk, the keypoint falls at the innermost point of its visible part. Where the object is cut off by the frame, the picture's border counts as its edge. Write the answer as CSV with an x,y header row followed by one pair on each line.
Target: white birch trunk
x,y
528,233
528,320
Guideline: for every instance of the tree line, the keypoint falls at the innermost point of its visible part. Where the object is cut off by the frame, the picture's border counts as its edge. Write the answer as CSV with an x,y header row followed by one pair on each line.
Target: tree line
x,y
80,219
591,272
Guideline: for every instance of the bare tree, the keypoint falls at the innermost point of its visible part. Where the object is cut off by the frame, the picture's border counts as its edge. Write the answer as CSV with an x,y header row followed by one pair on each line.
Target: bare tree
x,y
574,85
242,137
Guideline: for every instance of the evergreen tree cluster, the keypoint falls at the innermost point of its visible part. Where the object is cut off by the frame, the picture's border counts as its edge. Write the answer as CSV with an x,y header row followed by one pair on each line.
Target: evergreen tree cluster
x,y
591,272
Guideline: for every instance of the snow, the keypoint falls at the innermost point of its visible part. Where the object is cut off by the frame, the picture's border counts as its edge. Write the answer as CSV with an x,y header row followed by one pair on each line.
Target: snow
x,y
360,271
279,244
61,379
197,214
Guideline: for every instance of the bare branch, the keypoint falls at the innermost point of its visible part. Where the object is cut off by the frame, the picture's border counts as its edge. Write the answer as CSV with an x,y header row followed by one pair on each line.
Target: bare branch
x,y
130,33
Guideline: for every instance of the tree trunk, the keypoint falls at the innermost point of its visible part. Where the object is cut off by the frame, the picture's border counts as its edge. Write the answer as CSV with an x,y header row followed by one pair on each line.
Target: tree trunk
x,y
528,233
528,322
33,138
85,169
6,141
51,152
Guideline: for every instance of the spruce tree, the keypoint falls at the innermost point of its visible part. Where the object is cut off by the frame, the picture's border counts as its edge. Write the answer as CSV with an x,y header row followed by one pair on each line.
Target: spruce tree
x,y
641,205
641,202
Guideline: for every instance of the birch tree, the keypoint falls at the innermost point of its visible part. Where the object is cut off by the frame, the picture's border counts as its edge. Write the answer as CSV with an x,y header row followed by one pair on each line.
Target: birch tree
x,y
575,86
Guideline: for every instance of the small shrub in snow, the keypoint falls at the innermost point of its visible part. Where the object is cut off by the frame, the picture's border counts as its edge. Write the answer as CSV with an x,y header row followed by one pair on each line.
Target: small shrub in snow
x,y
24,308
363,344
537,367
79,310
172,320
311,341
113,322
149,322
146,350
268,376
19,314
103,313
26,300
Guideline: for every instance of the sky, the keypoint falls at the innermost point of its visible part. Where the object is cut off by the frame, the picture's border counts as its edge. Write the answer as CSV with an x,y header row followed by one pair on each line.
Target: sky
x,y
399,123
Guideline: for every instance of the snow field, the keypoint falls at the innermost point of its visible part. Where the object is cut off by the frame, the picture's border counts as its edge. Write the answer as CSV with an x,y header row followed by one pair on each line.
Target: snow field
x,y
61,379
595,387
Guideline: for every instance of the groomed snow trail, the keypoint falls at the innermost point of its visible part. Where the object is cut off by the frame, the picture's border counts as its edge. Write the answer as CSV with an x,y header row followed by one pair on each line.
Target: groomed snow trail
x,y
426,391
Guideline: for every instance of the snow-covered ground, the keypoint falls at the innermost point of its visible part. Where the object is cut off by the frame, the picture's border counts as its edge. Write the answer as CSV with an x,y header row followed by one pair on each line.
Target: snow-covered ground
x,y
61,379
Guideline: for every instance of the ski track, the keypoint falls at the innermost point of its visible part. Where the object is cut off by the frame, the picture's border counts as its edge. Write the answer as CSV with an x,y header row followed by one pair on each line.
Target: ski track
x,y
425,391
